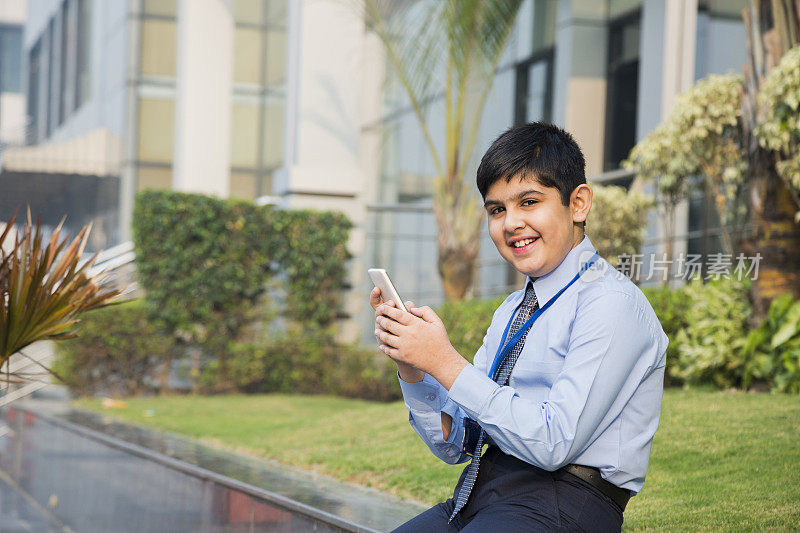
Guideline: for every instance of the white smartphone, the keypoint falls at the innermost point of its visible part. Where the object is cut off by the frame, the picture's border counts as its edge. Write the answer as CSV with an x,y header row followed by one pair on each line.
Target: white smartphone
x,y
381,280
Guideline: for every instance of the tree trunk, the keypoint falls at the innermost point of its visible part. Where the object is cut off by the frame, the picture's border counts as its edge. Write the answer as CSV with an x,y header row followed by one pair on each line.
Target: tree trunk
x,y
772,29
777,236
457,269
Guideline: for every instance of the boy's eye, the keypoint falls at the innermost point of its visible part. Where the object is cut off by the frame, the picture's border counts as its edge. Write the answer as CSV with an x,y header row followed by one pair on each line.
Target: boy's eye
x,y
528,202
495,210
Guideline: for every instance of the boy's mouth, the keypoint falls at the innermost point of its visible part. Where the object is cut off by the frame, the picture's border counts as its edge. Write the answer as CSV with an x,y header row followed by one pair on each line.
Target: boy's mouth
x,y
523,245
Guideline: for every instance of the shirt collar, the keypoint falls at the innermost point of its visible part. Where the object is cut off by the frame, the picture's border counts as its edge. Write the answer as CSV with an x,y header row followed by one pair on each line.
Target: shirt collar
x,y
548,285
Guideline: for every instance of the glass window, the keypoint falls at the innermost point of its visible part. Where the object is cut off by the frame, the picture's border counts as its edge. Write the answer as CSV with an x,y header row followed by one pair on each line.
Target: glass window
x,y
51,88
276,12
273,133
156,130
34,89
724,8
158,48
244,135
167,8
153,177
248,11
68,58
11,59
248,45
622,7
243,185
82,55
276,56
622,89
544,24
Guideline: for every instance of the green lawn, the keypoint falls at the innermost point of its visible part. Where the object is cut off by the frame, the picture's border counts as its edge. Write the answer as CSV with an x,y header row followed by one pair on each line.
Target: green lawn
x,y
720,460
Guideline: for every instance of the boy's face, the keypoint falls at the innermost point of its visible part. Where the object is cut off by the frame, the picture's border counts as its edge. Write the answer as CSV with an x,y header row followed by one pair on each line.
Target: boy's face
x,y
530,226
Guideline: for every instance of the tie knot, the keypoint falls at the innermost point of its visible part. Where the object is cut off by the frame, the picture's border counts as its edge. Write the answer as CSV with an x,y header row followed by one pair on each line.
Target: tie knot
x,y
530,295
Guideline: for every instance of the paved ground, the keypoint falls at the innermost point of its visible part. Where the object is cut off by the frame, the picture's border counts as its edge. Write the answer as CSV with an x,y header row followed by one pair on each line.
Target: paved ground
x,y
53,478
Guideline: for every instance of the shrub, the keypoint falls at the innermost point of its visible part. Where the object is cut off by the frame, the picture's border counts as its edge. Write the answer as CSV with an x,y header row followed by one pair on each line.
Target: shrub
x,y
206,263
671,307
466,322
115,353
306,362
710,345
618,221
772,351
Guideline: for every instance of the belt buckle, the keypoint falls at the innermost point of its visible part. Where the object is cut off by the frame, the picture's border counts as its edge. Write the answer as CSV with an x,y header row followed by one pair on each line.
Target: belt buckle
x,y
472,432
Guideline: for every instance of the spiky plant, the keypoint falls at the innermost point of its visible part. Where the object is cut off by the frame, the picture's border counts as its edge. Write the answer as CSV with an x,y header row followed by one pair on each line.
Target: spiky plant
x,y
44,287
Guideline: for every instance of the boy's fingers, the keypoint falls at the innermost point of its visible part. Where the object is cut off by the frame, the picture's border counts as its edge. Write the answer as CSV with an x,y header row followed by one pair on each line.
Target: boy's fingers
x,y
387,324
396,314
384,337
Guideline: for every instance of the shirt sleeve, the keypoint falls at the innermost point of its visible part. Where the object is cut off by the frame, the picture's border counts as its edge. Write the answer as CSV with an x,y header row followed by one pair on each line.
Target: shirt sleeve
x,y
425,401
612,348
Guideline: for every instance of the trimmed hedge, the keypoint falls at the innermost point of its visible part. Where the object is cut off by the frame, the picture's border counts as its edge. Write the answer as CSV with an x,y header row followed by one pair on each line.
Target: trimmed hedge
x,y
206,265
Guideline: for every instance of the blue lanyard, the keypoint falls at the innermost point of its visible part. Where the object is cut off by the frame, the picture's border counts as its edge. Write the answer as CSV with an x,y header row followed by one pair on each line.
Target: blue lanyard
x,y
503,350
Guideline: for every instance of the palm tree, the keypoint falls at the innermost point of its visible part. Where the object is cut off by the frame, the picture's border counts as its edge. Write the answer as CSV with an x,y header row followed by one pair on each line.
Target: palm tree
x,y
773,28
44,287
451,47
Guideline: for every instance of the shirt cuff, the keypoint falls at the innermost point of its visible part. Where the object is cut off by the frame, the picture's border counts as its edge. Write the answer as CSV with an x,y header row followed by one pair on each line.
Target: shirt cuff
x,y
457,429
471,390
423,395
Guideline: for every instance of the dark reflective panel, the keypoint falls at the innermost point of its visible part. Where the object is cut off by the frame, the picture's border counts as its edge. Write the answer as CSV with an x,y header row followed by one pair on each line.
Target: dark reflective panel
x,y
92,486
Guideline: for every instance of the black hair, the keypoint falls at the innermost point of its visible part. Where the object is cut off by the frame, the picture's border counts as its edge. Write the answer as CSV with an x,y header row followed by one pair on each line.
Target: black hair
x,y
539,151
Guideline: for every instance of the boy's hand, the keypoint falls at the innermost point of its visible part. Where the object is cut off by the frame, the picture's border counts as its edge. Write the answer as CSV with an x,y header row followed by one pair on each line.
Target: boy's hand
x,y
408,373
418,339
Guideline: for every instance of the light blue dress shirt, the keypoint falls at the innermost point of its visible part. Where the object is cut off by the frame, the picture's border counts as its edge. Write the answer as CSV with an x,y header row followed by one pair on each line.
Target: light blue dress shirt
x,y
587,386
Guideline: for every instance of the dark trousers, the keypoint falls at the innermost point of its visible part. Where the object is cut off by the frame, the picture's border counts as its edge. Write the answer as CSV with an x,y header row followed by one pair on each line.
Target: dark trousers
x,y
512,495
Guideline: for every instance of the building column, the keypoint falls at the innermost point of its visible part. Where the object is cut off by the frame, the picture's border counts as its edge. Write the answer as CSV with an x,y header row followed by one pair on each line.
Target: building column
x,y
203,92
667,69
333,87
580,69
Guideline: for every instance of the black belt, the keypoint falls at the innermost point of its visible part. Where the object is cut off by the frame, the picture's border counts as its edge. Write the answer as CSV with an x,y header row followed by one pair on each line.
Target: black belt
x,y
592,477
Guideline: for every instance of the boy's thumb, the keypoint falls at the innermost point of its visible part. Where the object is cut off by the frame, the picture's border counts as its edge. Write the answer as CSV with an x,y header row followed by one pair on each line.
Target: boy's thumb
x,y
425,313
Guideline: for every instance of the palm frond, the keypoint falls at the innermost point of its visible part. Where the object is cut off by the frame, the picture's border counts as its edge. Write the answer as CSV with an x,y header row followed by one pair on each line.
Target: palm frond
x,y
45,287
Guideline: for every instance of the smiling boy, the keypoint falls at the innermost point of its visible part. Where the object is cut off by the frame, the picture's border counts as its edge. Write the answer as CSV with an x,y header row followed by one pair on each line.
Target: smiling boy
x,y
566,387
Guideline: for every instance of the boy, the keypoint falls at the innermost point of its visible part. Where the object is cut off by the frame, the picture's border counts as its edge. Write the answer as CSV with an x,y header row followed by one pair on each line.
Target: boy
x,y
566,388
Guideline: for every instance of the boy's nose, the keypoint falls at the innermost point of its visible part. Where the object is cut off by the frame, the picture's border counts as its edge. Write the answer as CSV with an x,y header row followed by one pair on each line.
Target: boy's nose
x,y
512,221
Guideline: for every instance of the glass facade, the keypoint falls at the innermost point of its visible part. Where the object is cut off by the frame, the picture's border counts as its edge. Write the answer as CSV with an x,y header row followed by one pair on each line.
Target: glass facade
x,y
59,77
622,87
10,58
258,102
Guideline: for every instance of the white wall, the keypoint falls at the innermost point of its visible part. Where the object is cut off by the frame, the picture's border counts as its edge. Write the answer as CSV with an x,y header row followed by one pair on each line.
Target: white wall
x,y
204,85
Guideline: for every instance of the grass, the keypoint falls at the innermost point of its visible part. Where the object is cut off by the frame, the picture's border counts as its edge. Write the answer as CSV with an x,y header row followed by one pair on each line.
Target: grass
x,y
721,461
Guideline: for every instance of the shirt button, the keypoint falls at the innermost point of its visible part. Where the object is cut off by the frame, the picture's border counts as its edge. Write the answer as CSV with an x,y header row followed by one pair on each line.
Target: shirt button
x,y
431,397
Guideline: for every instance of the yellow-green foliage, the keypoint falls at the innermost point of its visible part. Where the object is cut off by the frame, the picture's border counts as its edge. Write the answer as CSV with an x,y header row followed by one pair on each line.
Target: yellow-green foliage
x,y
617,221
779,98
701,136
710,347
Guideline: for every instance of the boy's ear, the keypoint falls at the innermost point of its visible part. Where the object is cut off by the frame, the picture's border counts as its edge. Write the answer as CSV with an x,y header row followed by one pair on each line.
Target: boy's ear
x,y
581,202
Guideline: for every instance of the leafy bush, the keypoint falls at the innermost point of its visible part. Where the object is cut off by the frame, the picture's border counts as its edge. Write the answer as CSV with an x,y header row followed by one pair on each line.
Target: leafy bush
x,y
305,362
116,352
671,307
466,322
710,345
206,264
772,351
618,221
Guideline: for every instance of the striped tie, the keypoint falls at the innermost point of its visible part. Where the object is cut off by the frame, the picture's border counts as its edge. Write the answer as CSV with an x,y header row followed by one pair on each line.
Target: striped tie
x,y
529,305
